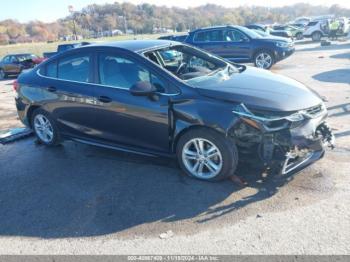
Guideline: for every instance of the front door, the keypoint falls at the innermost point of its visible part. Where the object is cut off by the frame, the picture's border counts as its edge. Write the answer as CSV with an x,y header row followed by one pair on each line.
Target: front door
x,y
237,46
122,118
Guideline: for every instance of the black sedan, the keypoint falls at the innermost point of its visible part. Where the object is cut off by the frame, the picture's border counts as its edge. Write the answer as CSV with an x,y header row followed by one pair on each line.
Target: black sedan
x,y
205,111
14,64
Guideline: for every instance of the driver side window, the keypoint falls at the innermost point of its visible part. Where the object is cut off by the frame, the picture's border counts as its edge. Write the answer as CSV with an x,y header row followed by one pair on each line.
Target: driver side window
x,y
120,72
235,36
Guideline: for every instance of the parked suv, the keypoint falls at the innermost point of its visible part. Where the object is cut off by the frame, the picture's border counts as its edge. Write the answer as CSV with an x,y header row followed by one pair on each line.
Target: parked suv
x,y
240,44
317,29
197,107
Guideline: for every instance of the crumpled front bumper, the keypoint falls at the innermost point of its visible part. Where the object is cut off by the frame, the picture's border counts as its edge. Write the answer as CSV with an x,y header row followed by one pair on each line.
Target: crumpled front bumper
x,y
289,144
309,143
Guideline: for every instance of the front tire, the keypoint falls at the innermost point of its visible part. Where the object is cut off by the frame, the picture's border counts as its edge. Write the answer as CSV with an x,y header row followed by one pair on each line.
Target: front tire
x,y
45,128
2,74
264,59
299,36
207,155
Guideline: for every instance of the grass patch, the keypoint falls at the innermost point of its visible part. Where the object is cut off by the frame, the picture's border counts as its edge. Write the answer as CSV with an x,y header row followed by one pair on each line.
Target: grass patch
x,y
40,48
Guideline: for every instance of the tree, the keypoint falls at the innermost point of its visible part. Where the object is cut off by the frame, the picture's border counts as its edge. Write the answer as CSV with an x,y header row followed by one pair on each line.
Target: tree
x,y
144,18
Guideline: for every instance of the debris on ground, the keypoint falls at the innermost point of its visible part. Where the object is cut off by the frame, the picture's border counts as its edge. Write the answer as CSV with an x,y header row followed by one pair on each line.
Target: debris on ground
x,y
166,235
258,216
13,134
325,43
239,181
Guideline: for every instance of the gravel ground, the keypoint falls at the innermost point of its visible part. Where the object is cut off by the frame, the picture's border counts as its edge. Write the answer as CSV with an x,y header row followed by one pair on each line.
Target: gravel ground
x,y
78,199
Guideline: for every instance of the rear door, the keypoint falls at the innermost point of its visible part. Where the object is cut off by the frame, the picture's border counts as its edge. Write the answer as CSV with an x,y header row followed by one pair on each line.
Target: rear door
x,y
70,94
211,40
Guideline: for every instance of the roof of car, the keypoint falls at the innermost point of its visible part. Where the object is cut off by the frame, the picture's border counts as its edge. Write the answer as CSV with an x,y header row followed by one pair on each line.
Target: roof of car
x,y
137,45
20,54
217,27
261,25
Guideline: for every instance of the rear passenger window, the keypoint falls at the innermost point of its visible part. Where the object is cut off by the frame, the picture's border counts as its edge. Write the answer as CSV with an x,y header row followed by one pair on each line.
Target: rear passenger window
x,y
312,23
74,68
209,36
51,69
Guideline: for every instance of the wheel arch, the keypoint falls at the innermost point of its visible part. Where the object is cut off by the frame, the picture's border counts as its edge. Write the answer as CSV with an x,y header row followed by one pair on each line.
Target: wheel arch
x,y
260,49
29,113
186,129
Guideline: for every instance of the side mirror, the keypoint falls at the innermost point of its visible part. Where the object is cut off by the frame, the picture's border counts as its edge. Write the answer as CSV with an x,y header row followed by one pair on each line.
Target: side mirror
x,y
143,88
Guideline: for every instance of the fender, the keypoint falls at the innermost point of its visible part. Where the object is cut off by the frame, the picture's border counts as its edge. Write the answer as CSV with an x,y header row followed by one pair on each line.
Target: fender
x,y
201,116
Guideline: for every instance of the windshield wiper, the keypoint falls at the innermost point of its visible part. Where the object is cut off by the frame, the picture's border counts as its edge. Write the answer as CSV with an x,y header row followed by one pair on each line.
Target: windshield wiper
x,y
216,71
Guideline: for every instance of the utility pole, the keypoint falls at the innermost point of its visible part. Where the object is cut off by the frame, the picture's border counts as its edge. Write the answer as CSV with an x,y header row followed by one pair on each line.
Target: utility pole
x,y
71,11
125,23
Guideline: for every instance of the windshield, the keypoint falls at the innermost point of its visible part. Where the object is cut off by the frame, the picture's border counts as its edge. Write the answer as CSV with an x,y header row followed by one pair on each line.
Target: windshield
x,y
190,64
261,33
25,57
249,32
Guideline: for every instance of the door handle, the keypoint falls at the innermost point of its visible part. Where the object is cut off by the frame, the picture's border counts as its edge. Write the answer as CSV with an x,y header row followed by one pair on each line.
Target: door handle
x,y
105,99
51,89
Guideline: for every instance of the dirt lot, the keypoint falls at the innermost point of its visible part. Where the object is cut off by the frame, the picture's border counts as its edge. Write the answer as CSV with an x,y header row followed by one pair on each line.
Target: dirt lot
x,y
79,199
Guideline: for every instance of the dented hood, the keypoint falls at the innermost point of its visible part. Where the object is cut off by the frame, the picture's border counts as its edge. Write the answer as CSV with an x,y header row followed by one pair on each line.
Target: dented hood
x,y
260,89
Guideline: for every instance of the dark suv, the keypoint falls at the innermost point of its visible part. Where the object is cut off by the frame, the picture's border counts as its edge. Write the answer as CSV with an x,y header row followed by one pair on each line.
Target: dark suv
x,y
209,113
240,44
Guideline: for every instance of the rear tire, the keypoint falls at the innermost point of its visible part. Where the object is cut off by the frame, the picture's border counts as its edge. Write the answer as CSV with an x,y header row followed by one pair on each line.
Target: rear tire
x,y
316,36
216,158
45,128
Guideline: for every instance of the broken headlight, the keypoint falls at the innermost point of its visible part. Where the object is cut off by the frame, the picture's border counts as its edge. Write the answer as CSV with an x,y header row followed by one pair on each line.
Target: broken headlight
x,y
268,121
296,117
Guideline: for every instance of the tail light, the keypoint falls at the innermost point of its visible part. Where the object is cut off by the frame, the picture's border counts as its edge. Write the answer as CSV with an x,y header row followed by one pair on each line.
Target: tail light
x,y
15,85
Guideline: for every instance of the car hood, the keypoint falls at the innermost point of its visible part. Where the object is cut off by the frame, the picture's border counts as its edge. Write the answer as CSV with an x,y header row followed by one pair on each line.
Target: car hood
x,y
260,89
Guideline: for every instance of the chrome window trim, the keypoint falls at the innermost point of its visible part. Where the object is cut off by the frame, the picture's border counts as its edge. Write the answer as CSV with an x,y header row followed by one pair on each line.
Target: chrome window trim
x,y
205,31
95,84
223,41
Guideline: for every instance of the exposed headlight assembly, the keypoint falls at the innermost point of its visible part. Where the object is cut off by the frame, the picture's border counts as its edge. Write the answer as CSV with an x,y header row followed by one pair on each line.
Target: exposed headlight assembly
x,y
267,123
282,44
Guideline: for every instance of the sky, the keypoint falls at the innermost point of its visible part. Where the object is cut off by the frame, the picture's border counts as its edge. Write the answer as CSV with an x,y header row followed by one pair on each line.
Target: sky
x,y
50,10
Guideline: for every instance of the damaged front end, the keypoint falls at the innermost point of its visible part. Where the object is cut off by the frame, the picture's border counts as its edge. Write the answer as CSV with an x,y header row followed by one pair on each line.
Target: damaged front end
x,y
291,140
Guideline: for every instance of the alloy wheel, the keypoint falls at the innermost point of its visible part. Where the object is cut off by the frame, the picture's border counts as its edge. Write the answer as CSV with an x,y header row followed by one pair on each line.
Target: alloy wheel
x,y
263,60
43,128
202,158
